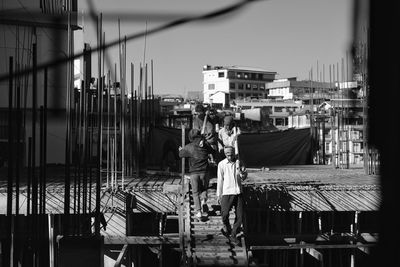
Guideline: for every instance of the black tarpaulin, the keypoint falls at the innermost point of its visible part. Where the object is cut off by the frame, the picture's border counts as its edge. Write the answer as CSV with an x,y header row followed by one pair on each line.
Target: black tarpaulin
x,y
288,147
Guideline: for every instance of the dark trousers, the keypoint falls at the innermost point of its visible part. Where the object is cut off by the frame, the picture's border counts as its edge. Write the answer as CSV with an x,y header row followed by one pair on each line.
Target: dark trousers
x,y
227,202
199,183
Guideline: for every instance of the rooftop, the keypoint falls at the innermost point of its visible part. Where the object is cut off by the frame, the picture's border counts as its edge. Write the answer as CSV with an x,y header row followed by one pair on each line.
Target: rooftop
x,y
235,67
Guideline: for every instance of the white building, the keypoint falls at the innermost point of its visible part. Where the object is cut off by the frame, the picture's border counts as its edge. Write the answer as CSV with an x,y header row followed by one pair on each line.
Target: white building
x,y
278,110
291,88
221,85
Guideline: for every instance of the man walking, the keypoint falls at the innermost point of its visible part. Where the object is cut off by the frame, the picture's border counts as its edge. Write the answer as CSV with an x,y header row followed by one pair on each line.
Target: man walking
x,y
197,151
230,174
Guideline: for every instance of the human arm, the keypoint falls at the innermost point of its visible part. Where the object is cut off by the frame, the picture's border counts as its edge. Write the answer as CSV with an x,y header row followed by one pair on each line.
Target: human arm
x,y
242,171
220,181
184,152
220,142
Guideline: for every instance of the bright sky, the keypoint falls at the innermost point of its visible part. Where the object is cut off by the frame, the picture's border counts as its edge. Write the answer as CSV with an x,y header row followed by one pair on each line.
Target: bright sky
x,y
285,36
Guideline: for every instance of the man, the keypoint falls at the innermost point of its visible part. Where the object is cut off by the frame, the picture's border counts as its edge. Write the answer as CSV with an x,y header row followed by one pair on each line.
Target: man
x,y
230,174
197,151
228,135
201,121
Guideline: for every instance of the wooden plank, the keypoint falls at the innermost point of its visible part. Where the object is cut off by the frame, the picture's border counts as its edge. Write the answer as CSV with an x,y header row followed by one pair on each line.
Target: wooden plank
x,y
140,240
309,245
121,255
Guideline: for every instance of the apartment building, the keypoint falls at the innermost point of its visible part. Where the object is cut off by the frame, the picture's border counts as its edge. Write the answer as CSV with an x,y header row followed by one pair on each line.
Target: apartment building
x,y
222,85
278,109
339,125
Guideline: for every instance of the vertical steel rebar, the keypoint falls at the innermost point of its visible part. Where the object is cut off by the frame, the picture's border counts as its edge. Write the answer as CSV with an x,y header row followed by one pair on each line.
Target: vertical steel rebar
x,y
34,118
44,178
108,126
99,104
68,140
132,132
41,122
10,165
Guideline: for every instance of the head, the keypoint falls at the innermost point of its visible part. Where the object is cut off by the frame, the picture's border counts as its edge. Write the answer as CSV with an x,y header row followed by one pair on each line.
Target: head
x,y
228,122
199,111
194,134
212,113
229,153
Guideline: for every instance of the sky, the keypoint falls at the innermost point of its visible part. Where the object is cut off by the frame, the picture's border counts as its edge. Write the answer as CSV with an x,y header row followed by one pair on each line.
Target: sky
x,y
289,37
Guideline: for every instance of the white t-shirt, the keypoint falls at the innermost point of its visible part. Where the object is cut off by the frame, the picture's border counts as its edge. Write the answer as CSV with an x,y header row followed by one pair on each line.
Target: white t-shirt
x,y
230,176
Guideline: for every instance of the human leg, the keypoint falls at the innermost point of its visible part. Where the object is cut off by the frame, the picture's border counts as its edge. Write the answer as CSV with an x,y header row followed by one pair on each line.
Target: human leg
x,y
226,205
195,183
238,204
204,188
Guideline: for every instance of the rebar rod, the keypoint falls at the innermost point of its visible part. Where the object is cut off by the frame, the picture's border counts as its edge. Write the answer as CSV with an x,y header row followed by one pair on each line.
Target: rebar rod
x,y
67,140
98,180
44,178
34,118
10,163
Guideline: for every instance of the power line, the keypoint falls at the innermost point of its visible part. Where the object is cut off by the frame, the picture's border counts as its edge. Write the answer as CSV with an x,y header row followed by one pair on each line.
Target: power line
x,y
211,15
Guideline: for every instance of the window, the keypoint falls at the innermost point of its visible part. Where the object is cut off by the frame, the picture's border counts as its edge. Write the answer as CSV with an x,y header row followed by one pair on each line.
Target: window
x,y
240,86
265,77
231,74
232,96
239,75
327,147
221,74
278,109
248,86
255,87
253,76
211,86
280,122
357,147
232,85
261,86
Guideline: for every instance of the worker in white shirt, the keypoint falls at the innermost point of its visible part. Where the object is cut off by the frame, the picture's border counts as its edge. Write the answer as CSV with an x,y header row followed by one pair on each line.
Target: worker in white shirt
x,y
228,135
230,174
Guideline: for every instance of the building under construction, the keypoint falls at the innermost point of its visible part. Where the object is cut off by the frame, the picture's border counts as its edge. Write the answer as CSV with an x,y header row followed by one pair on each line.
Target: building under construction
x,y
120,197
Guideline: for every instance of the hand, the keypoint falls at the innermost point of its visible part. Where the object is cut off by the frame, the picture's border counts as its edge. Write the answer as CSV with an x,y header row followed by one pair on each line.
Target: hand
x,y
179,148
219,199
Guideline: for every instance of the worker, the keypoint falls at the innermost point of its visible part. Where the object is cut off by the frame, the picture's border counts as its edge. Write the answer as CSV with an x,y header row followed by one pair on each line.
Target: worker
x,y
201,121
230,174
197,151
228,135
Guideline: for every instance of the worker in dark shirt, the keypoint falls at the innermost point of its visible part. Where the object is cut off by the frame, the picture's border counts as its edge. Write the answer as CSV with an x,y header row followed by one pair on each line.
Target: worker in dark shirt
x,y
197,151
205,125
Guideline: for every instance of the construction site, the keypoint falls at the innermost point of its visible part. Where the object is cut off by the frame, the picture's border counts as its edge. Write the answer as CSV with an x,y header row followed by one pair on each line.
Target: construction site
x,y
90,172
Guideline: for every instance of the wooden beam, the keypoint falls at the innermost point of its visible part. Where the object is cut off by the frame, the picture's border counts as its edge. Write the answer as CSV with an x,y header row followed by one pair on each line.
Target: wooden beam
x,y
315,253
121,255
140,240
309,245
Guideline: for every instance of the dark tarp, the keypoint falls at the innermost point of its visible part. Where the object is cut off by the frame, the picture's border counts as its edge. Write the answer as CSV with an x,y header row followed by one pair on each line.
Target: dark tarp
x,y
288,147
